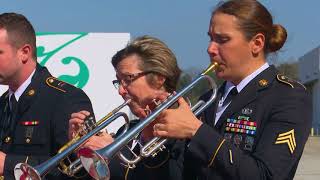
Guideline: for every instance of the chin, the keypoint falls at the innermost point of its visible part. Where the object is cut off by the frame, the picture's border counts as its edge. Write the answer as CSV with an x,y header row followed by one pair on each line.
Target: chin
x,y
220,74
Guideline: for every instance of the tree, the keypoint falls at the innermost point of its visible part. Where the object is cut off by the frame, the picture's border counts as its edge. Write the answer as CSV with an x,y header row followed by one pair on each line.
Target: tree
x,y
289,69
202,87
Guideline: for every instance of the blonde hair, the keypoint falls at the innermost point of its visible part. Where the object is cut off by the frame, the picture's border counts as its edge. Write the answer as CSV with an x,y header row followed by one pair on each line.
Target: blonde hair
x,y
155,57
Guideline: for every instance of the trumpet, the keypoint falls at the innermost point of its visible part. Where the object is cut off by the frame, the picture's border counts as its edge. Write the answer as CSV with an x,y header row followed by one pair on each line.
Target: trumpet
x,y
23,171
96,162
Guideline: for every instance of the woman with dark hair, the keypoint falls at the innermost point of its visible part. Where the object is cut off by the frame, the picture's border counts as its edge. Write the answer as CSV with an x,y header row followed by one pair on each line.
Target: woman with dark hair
x,y
260,122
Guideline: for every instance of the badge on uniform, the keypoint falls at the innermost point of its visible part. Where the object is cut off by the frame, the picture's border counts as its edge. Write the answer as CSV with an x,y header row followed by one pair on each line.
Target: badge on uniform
x,y
228,136
28,134
248,143
31,92
241,125
237,139
246,111
29,129
287,138
29,123
263,82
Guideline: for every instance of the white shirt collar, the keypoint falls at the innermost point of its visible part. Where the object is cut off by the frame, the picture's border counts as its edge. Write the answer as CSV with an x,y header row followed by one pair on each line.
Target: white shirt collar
x,y
240,86
246,80
22,88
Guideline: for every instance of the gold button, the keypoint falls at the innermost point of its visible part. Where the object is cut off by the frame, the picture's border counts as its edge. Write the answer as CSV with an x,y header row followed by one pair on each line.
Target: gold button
x,y
7,139
28,140
31,92
51,80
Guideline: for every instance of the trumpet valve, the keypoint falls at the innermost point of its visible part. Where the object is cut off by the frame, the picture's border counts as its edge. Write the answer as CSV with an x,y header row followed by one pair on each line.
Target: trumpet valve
x,y
161,148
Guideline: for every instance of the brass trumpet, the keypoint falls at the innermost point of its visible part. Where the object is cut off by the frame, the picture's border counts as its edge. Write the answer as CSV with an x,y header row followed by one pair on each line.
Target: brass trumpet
x,y
96,162
23,171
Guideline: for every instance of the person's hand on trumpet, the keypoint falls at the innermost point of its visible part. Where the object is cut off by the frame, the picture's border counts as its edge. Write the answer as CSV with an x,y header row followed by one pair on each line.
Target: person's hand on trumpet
x,y
76,123
154,101
179,123
95,142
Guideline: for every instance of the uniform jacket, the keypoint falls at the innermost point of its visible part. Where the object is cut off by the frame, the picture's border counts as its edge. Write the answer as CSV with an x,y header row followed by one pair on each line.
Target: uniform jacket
x,y
261,134
163,166
49,102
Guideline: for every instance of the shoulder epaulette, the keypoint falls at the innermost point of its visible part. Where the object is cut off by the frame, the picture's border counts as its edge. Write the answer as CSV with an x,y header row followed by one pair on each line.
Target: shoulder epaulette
x,y
57,84
288,81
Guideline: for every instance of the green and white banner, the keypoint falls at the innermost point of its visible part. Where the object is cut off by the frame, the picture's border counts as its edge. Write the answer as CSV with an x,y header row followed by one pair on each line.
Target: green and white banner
x,y
84,60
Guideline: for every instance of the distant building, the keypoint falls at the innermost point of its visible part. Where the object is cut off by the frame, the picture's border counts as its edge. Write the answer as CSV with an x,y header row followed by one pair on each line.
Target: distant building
x,y
309,75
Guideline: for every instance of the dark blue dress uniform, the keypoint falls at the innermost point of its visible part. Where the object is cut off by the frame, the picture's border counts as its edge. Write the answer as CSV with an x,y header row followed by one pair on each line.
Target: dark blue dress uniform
x,y
40,126
261,134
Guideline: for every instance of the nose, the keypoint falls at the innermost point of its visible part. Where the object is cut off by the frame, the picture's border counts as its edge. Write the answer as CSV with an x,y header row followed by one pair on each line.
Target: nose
x,y
212,49
122,91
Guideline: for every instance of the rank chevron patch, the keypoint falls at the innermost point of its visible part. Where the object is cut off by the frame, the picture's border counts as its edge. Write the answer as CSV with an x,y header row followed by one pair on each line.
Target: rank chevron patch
x,y
287,138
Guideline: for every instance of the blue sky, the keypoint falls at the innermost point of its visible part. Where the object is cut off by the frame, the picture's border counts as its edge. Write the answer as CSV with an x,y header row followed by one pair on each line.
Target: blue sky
x,y
182,24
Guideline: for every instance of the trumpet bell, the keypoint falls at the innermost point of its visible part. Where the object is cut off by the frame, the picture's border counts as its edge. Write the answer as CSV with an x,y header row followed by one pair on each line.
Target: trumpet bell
x,y
94,164
23,171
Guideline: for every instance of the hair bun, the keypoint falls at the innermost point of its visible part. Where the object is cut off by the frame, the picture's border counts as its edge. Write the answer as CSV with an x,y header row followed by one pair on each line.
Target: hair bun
x,y
278,38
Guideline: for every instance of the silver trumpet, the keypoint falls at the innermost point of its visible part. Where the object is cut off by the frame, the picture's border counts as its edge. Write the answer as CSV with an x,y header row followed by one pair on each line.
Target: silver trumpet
x,y
24,171
96,162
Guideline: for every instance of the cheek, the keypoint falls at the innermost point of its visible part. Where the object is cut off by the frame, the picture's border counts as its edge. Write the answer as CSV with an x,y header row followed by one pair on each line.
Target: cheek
x,y
6,66
227,51
135,92
232,54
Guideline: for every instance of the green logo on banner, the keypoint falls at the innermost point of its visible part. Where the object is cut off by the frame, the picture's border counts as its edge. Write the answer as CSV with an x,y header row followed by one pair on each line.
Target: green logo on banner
x,y
79,80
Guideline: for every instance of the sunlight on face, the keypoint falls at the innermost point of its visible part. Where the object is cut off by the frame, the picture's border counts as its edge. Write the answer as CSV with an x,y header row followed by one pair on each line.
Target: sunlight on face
x,y
229,48
139,90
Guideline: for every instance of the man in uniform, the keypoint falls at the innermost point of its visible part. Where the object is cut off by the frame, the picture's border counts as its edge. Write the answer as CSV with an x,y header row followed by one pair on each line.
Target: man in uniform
x,y
35,110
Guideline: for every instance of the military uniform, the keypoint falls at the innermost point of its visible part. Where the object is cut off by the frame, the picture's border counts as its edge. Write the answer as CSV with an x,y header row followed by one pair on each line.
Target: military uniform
x,y
40,126
163,166
261,134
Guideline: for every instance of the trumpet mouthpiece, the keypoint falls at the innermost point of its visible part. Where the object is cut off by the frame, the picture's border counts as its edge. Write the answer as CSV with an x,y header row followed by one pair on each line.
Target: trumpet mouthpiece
x,y
127,101
212,67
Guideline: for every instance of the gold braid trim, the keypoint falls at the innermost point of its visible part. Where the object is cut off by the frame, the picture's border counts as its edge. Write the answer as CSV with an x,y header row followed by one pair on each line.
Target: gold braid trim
x,y
302,85
284,79
215,154
48,83
127,172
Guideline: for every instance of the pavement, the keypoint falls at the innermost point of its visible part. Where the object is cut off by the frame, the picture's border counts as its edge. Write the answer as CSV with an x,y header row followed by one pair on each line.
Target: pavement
x,y
309,166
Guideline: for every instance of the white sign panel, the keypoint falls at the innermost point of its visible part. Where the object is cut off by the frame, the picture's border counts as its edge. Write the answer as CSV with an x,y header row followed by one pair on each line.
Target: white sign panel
x,y
84,60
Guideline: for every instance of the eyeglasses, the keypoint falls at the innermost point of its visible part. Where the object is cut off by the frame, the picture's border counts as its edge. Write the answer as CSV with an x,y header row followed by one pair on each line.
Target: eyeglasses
x,y
128,78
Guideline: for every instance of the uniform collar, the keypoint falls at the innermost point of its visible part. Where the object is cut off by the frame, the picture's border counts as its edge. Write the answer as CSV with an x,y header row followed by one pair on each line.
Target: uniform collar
x,y
229,85
33,89
250,92
22,87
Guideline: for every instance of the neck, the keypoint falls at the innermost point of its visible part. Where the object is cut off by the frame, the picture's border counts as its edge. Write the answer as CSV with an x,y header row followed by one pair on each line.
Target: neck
x,y
22,75
249,69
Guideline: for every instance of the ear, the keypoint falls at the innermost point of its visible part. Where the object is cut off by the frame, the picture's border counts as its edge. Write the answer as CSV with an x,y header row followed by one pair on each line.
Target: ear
x,y
159,81
257,44
25,53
